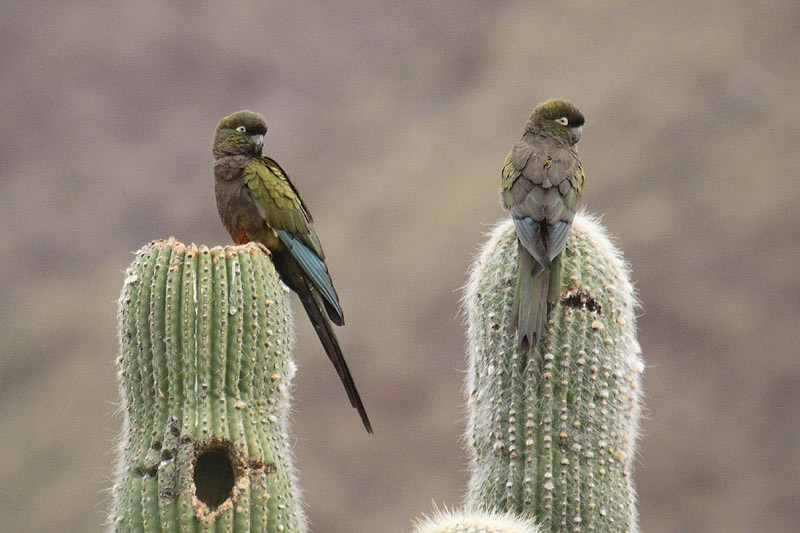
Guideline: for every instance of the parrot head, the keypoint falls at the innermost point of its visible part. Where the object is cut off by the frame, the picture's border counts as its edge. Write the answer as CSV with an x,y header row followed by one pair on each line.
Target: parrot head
x,y
240,133
556,118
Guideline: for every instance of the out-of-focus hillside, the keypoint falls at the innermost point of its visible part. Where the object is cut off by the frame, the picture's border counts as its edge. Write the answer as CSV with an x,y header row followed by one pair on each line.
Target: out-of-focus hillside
x,y
394,120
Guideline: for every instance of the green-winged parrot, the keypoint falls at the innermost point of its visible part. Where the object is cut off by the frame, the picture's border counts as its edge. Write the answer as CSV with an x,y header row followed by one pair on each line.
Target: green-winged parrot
x,y
258,203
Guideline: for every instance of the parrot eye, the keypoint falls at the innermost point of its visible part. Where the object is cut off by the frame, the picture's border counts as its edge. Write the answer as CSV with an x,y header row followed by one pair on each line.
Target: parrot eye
x,y
241,129
563,121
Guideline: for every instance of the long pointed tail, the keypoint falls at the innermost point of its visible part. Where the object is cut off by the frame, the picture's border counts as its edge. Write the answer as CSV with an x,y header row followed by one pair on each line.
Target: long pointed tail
x,y
325,333
530,301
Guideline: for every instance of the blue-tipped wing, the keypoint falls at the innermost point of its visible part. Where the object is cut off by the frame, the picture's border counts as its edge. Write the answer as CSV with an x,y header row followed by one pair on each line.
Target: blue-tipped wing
x,y
316,270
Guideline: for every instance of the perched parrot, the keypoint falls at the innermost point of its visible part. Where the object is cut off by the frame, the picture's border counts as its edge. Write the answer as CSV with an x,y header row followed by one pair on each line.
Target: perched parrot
x,y
542,185
257,202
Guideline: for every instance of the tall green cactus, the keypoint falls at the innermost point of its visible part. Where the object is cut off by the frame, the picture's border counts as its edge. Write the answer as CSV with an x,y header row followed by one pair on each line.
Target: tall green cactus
x,y
205,372
552,433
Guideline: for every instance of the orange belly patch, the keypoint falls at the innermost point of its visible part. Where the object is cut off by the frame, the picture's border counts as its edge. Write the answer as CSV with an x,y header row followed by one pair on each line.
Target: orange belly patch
x,y
239,236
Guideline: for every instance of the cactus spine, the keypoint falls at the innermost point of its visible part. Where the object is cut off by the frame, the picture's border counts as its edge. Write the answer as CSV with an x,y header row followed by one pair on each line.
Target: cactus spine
x,y
205,372
552,433
474,522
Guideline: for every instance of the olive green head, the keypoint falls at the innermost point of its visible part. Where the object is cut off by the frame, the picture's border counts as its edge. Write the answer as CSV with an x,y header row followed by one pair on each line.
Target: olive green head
x,y
240,133
556,118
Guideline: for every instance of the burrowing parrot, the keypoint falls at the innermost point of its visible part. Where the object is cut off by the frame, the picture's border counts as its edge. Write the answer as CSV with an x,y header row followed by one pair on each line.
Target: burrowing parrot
x,y
542,185
257,202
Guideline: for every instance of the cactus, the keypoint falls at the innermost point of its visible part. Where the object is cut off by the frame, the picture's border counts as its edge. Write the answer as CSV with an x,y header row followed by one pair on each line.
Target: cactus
x,y
552,432
474,522
204,372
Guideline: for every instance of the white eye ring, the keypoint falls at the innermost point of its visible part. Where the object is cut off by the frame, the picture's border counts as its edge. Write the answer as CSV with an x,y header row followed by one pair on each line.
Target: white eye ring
x,y
563,121
241,129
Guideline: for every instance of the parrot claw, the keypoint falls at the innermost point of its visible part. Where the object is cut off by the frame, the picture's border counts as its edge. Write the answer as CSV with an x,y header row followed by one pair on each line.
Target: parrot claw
x,y
263,248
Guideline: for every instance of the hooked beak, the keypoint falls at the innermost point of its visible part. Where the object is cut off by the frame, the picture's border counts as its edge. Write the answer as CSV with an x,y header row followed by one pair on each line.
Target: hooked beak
x,y
258,140
576,132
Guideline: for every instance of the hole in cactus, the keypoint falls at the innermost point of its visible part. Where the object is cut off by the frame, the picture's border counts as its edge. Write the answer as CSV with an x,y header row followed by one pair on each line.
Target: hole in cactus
x,y
213,474
580,301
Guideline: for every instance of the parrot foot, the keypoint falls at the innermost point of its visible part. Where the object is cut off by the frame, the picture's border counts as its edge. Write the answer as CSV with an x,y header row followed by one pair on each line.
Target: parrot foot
x,y
263,248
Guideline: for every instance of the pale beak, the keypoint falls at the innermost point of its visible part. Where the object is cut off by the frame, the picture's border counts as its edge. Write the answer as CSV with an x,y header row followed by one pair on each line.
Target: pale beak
x,y
576,132
258,140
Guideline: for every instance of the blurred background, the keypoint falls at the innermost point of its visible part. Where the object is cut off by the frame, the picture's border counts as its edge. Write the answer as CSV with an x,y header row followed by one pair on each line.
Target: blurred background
x,y
393,118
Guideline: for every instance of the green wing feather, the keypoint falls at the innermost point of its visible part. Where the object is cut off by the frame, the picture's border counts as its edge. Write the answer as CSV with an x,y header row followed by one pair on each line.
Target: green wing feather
x,y
279,202
510,175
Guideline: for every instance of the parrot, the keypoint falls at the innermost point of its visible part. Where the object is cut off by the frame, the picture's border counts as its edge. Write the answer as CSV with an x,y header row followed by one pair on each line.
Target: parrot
x,y
257,203
542,183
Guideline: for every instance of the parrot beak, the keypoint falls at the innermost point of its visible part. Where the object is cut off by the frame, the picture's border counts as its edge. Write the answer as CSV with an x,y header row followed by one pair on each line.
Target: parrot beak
x,y
576,132
258,140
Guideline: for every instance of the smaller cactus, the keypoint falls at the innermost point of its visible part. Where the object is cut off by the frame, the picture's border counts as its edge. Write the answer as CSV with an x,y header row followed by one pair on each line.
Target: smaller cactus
x,y
205,372
552,432
474,522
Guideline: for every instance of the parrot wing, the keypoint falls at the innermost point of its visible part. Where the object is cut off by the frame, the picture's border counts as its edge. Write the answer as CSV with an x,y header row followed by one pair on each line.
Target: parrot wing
x,y
515,161
278,201
563,207
530,235
317,271
285,213
542,193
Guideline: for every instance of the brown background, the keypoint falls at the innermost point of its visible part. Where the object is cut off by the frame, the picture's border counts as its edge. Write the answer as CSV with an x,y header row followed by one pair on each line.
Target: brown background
x,y
394,121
